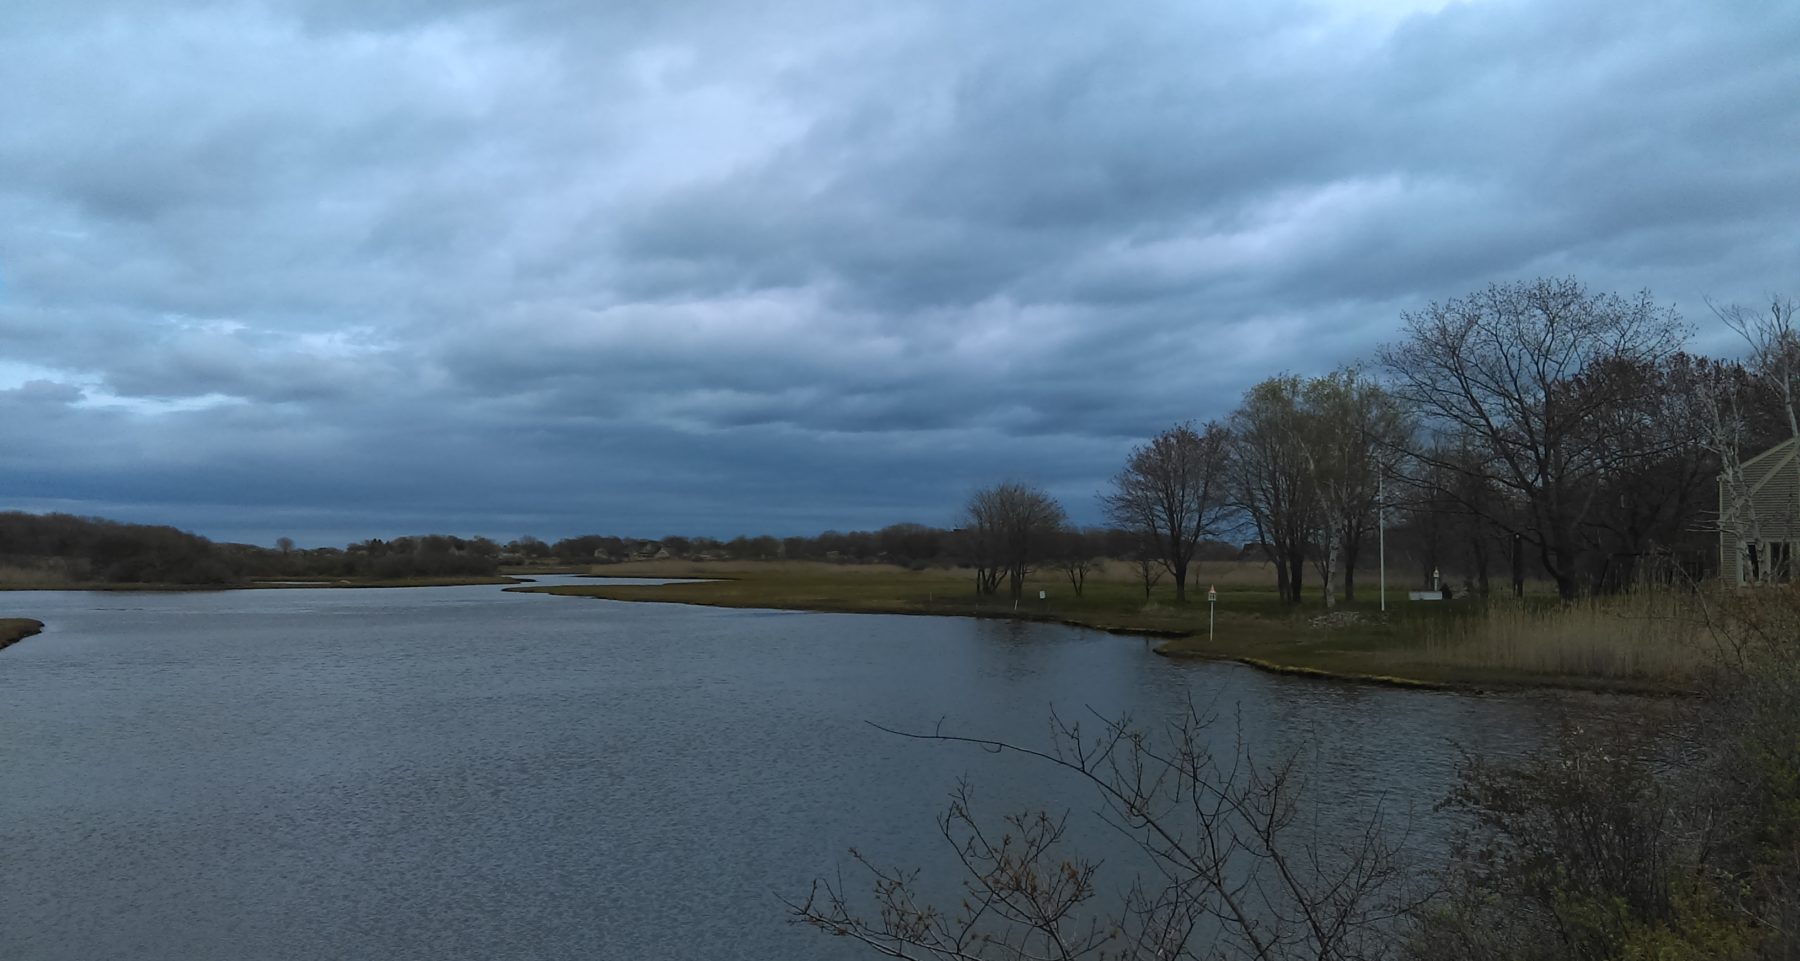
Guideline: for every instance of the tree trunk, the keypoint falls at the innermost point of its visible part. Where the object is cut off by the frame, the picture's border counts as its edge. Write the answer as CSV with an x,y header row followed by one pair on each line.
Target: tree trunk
x,y
1562,570
1567,587
1479,554
1351,549
1296,575
1330,585
1180,573
1556,564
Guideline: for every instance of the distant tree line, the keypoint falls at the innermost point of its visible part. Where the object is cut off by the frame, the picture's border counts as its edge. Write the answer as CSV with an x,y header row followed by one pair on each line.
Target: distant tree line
x,y
90,549
917,546
64,547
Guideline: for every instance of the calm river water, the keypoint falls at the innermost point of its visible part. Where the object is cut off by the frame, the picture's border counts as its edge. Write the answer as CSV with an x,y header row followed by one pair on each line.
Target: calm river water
x,y
440,773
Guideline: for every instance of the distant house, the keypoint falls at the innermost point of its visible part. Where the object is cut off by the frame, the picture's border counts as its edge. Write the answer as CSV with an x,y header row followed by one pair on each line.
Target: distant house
x,y
650,551
1759,517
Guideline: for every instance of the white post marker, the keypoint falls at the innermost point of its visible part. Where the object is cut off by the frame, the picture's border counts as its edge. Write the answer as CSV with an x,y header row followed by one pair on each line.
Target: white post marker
x,y
1212,599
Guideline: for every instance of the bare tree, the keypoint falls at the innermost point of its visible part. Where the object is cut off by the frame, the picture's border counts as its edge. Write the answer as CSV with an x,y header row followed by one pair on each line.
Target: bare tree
x,y
1172,492
1270,480
1010,527
1774,345
1231,871
1648,515
1726,428
982,539
1077,556
1470,527
1522,369
1149,569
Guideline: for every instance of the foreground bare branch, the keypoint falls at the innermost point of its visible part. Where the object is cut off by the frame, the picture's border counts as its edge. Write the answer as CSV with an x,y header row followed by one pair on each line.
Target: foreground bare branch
x,y
1227,872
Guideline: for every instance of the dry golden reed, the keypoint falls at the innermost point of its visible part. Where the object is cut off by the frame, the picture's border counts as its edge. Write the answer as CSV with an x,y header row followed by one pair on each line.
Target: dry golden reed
x,y
1650,634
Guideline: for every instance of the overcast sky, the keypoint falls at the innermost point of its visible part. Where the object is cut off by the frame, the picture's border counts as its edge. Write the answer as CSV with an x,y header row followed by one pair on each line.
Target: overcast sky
x,y
355,268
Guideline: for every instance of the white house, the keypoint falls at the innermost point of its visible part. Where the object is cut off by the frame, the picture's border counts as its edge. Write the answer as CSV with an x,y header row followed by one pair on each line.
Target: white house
x,y
1759,517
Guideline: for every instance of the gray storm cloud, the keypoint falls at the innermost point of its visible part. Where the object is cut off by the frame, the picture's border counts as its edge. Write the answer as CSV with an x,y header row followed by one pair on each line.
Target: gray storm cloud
x,y
346,269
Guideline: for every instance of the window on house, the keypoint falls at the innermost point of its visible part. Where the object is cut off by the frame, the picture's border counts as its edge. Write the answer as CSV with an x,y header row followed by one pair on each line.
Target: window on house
x,y
1781,560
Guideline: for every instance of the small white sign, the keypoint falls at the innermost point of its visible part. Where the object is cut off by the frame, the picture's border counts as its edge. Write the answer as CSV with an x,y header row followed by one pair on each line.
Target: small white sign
x,y
1041,595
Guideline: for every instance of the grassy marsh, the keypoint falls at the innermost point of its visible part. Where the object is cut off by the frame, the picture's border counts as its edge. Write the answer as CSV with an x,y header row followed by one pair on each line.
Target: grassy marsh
x,y
1656,636
15,629
1646,643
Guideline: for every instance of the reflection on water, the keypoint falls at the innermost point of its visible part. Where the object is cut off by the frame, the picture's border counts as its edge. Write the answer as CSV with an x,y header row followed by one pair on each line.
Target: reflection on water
x,y
463,772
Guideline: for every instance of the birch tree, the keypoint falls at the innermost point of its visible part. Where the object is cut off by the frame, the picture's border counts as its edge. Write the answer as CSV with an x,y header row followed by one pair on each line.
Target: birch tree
x,y
1773,360
1350,432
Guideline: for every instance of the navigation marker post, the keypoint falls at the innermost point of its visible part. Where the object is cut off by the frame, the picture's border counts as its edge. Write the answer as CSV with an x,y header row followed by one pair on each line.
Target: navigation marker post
x,y
1212,600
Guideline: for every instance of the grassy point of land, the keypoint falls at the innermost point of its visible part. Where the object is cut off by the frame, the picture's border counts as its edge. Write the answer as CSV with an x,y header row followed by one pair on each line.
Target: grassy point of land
x,y
307,583
1624,646
16,629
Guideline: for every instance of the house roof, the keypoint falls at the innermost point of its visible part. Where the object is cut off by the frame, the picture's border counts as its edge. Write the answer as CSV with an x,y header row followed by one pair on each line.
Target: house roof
x,y
1784,446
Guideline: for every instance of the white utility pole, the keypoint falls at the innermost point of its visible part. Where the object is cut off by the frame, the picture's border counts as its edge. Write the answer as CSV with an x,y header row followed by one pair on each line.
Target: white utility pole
x,y
1381,534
